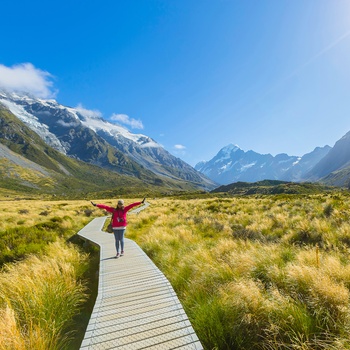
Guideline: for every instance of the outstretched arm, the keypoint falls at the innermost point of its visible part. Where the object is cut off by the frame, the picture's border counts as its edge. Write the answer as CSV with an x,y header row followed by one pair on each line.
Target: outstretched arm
x,y
102,206
128,207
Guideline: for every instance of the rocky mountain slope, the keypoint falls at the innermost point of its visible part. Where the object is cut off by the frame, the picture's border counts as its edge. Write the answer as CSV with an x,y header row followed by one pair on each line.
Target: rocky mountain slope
x,y
272,187
337,159
29,165
85,136
232,164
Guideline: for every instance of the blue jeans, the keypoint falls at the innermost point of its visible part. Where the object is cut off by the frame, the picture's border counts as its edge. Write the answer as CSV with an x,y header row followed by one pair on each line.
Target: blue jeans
x,y
119,237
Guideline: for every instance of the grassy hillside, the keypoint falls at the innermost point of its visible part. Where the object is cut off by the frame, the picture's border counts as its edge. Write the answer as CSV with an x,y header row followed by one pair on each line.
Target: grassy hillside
x,y
21,139
340,178
272,187
28,165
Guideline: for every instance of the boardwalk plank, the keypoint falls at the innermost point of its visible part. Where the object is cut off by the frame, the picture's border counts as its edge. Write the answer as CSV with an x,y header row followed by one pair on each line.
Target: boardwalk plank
x,y
136,307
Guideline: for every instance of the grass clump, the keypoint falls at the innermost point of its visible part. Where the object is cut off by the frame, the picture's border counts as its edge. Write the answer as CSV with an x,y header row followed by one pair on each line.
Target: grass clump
x,y
267,272
39,298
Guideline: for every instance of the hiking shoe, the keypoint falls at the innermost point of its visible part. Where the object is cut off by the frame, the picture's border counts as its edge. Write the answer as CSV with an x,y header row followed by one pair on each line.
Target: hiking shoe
x,y
122,253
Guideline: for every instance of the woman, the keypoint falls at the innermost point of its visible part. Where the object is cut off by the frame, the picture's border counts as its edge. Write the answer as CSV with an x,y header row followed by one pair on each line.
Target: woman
x,y
119,222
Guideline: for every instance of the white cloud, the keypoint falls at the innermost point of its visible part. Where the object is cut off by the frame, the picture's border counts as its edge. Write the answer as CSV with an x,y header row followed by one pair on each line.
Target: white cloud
x,y
151,144
68,125
25,77
180,147
125,119
179,150
88,112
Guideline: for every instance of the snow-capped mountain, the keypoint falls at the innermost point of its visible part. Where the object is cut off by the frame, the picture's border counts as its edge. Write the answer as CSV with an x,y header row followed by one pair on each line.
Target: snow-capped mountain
x,y
29,119
232,164
86,136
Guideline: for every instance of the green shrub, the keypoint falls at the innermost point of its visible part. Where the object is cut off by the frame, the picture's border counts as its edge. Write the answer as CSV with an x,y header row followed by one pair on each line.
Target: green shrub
x,y
307,237
240,232
18,242
88,212
23,211
327,211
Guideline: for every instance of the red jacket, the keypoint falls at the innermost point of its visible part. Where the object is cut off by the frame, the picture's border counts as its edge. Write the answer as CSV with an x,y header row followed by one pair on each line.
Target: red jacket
x,y
119,215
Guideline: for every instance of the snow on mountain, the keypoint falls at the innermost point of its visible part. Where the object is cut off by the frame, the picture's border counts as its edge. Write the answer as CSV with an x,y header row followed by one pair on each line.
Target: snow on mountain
x,y
226,152
232,164
96,123
302,167
32,122
91,120
85,135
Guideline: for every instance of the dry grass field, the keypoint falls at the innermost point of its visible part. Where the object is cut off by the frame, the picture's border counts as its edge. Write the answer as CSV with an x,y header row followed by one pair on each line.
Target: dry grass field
x,y
254,272
268,272
42,283
39,298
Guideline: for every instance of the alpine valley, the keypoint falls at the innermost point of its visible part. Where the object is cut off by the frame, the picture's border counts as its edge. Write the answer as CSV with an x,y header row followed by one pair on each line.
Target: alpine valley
x,y
46,147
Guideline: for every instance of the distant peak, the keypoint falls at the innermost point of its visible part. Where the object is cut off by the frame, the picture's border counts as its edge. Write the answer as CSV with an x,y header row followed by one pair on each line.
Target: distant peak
x,y
226,152
231,148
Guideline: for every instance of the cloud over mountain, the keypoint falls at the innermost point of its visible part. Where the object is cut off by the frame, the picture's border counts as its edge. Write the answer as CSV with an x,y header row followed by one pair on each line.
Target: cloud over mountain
x,y
84,135
126,120
25,77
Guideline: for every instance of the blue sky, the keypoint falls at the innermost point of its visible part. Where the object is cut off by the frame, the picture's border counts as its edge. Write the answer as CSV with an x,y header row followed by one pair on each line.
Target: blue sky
x,y
195,75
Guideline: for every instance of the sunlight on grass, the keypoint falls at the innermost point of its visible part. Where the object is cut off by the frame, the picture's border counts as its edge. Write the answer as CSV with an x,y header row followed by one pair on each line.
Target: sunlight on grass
x,y
268,272
254,272
39,297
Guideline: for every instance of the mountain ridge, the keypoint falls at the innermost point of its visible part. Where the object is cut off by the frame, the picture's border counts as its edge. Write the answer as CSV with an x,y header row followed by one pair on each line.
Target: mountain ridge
x,y
86,136
232,164
31,166
337,159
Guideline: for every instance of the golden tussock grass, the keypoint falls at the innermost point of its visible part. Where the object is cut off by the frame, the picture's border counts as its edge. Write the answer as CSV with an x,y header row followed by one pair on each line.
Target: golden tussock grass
x,y
10,333
34,212
267,272
39,297
256,273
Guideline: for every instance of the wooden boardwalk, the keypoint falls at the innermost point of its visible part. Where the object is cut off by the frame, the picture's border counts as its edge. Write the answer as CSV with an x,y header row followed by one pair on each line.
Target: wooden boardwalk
x,y
136,307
